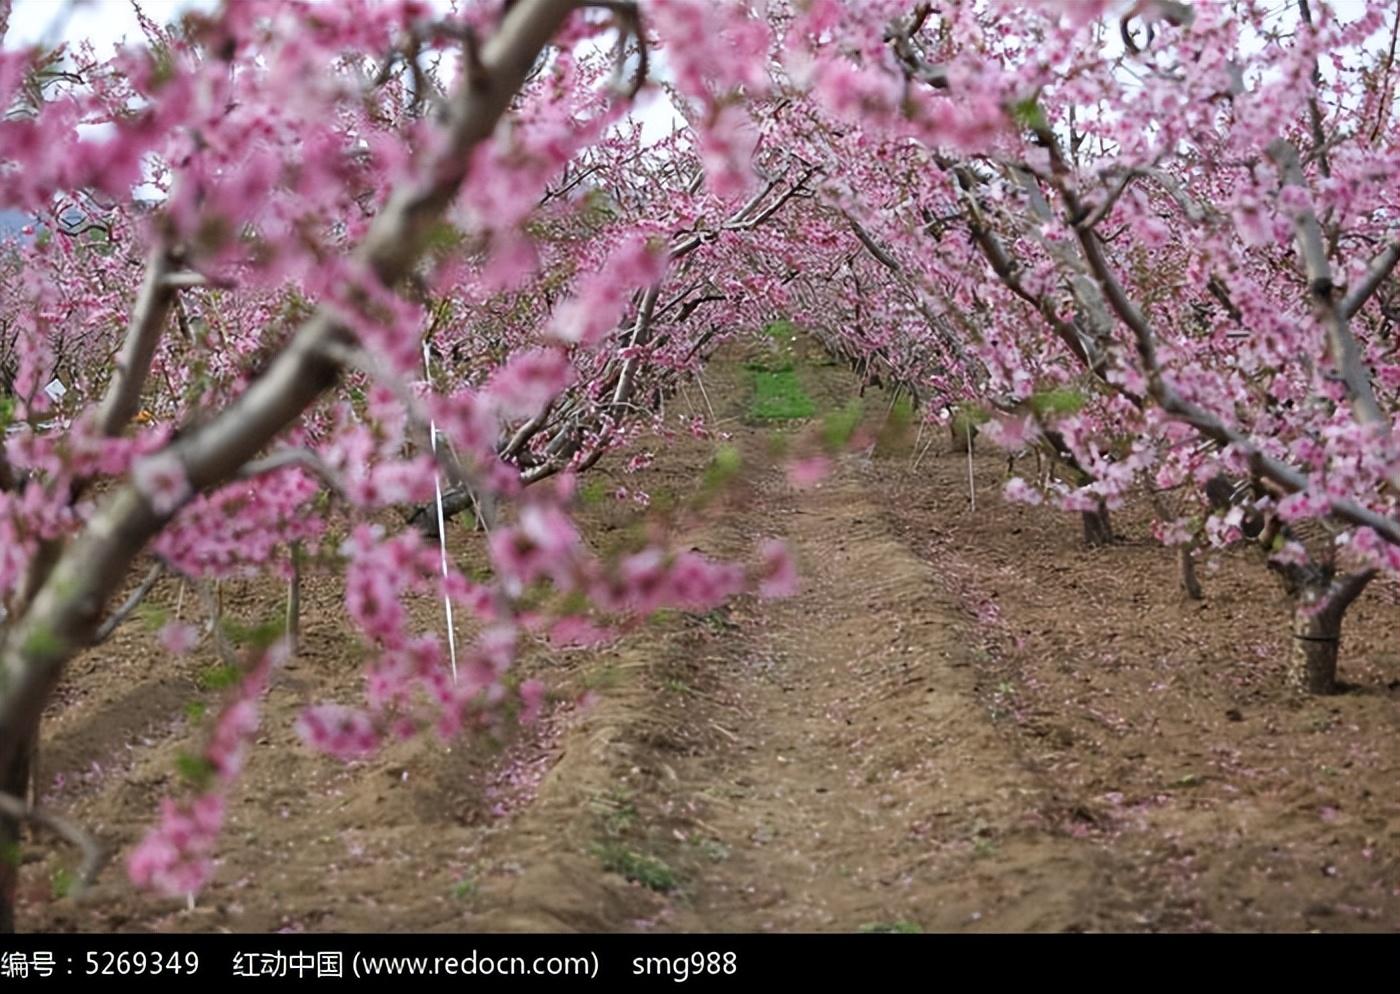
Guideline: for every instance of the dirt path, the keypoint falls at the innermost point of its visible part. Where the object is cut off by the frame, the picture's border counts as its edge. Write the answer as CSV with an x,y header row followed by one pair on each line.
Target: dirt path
x,y
817,763
870,788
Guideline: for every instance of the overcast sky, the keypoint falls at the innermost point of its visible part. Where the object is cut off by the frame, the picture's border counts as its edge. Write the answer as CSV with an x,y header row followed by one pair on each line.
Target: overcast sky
x,y
105,22
108,23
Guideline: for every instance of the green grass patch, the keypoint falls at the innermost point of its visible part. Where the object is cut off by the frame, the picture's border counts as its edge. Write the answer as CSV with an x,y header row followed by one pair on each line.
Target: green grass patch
x,y
1059,401
64,882
712,849
153,617
967,418
618,811
896,433
606,677
593,492
782,330
197,771
839,426
663,617
663,499
778,396
723,467
256,636
649,871
42,642
220,677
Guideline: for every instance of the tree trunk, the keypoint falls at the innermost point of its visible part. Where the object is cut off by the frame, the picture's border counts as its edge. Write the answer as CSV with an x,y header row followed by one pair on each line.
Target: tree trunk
x,y
1186,557
15,782
294,601
1312,665
1098,531
1318,610
454,502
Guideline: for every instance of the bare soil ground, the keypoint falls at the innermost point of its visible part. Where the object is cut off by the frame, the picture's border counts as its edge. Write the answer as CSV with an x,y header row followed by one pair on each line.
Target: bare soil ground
x,y
964,721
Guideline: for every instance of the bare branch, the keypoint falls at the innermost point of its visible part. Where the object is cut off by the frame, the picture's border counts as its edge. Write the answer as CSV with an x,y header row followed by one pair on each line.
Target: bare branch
x,y
527,431
1314,110
797,189
1347,588
214,605
629,25
932,319
123,397
1008,270
94,854
184,280
641,335
1100,212
351,356
303,458
1346,353
901,39
1376,273
114,622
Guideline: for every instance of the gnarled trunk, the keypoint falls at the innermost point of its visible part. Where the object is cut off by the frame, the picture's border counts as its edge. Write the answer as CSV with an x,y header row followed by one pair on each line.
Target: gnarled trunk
x,y
1312,663
1186,560
1320,602
1098,530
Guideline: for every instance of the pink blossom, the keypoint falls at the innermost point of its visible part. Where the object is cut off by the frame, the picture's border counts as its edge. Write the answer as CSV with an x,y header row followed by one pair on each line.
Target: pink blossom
x,y
1302,505
575,632
697,583
777,573
176,856
1018,491
161,480
339,731
178,637
529,381
532,696
513,259
1178,531
1011,433
726,149
803,474
1290,554
601,300
542,544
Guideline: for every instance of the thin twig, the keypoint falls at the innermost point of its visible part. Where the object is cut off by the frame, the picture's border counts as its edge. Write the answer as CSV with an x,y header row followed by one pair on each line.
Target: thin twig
x,y
94,854
129,605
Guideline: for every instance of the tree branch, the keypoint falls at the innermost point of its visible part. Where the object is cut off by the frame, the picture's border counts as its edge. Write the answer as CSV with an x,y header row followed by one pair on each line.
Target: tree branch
x,y
129,605
303,458
1376,273
123,397
1349,587
94,855
1346,353
63,615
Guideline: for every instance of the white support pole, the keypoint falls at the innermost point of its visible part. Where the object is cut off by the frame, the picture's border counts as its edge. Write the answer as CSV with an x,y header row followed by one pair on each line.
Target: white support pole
x,y
441,524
